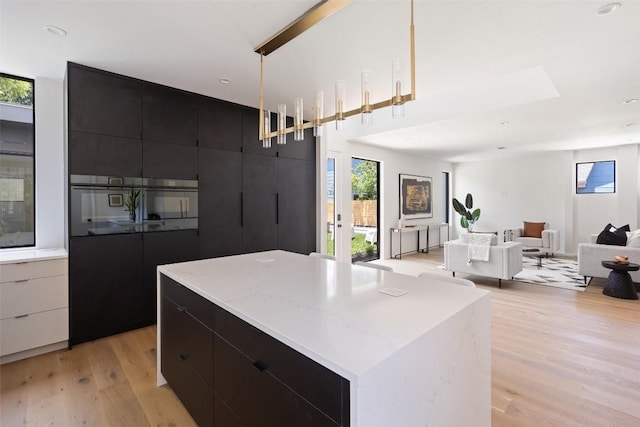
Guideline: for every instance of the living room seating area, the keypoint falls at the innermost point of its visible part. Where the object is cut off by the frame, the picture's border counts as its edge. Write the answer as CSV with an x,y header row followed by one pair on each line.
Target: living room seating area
x,y
503,262
535,235
605,246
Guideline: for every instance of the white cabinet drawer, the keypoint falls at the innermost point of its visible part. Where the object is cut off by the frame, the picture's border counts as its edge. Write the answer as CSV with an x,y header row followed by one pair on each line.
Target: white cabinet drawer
x,y
33,296
34,330
33,270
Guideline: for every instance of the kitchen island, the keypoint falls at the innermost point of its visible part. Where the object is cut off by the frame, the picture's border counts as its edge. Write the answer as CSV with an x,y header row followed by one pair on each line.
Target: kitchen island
x,y
277,337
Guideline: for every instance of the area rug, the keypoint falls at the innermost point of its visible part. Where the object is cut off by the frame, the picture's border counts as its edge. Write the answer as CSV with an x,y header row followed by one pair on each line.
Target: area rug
x,y
555,272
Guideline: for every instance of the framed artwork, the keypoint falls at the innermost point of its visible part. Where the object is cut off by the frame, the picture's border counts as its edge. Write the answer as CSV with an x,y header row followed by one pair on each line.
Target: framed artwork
x,y
415,196
115,180
596,177
115,200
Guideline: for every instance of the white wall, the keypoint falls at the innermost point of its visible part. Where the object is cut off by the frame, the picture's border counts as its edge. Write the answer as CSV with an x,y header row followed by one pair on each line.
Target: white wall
x,y
542,188
392,163
50,198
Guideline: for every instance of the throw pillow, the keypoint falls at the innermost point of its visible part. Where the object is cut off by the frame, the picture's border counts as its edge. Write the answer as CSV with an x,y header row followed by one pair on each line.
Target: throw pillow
x,y
633,241
533,229
613,236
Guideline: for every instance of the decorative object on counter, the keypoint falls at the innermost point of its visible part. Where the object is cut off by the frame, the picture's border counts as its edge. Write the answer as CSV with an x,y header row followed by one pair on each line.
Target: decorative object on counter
x,y
468,218
618,259
132,203
415,197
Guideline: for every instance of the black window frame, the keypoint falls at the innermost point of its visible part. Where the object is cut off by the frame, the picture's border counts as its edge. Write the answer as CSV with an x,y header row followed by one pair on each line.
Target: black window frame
x,y
33,112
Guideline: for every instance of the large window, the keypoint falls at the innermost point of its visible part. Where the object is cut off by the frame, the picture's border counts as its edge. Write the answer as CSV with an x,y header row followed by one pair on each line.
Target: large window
x,y
17,162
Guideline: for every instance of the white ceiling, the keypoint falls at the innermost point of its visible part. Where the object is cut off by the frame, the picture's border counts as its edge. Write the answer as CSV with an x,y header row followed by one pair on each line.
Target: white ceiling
x,y
556,72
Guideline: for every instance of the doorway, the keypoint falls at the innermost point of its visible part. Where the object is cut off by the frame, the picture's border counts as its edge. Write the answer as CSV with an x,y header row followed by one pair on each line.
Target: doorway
x,y
365,209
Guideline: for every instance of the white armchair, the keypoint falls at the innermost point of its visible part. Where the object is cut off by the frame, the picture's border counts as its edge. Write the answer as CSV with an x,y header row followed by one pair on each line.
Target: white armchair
x,y
548,243
505,260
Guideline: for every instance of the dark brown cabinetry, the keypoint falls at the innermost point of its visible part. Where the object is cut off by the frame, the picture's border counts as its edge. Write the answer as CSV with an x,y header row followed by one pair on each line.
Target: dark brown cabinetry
x,y
260,216
104,103
164,247
220,125
257,380
221,199
162,160
107,295
94,154
169,115
187,349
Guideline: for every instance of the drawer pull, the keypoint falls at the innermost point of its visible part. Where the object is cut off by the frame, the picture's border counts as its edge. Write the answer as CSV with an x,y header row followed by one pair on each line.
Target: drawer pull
x,y
260,365
181,309
182,357
21,316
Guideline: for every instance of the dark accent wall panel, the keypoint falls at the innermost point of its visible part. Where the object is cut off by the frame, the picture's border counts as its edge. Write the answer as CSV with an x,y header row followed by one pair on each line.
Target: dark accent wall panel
x,y
160,160
94,154
220,125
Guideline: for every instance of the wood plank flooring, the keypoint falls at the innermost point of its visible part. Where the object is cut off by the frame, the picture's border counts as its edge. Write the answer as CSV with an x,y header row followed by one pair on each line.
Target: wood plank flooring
x,y
559,358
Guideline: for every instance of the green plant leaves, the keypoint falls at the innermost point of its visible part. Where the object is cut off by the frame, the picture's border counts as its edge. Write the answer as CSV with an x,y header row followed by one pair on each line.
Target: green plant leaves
x,y
459,207
475,215
469,201
463,222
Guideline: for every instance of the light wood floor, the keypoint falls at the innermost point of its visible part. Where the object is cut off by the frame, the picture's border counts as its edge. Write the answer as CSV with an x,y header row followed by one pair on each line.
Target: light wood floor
x,y
560,358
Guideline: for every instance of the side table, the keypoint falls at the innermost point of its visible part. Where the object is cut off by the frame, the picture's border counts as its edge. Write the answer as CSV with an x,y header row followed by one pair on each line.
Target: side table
x,y
619,283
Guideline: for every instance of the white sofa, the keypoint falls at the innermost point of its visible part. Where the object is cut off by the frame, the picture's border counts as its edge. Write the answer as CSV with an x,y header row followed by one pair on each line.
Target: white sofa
x,y
591,255
505,260
549,243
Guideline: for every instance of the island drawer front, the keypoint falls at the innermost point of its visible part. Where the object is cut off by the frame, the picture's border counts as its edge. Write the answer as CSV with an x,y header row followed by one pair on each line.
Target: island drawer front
x,y
33,330
191,340
196,395
33,295
33,270
223,416
193,303
256,396
323,388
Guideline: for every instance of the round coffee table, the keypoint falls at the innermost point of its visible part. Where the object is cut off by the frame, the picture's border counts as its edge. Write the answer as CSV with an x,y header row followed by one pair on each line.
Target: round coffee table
x,y
619,283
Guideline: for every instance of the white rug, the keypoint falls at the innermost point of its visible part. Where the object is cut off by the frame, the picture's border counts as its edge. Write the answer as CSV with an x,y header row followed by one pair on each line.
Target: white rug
x,y
555,272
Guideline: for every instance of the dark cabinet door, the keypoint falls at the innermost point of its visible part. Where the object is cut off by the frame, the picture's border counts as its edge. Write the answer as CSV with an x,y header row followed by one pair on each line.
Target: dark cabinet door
x,y
296,205
257,397
93,154
169,115
106,291
104,103
194,393
165,247
260,229
302,150
250,133
220,203
161,160
219,125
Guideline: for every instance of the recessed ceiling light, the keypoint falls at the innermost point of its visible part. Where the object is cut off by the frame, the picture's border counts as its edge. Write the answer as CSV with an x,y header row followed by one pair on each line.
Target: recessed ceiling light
x,y
630,101
225,81
502,148
628,125
55,30
506,122
608,9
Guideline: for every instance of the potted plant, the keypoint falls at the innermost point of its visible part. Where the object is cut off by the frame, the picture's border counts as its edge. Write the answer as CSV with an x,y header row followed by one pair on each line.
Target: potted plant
x,y
131,203
468,217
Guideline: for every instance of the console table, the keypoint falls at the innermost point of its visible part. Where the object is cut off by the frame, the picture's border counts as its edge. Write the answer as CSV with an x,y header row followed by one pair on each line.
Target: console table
x,y
417,229
277,338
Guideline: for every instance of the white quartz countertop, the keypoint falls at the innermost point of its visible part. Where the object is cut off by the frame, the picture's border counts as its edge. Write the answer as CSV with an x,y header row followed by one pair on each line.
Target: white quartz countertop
x,y
26,255
329,311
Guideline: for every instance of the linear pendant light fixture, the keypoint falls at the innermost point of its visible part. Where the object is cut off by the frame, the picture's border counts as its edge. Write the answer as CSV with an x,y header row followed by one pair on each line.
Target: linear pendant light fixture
x,y
320,11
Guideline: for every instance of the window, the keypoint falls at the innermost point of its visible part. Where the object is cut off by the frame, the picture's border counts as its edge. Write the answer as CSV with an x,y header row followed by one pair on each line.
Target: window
x,y
596,177
17,162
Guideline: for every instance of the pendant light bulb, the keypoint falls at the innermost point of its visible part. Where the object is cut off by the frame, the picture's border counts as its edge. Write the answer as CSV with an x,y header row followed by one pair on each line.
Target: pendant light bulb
x,y
366,111
298,120
318,113
282,124
341,89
